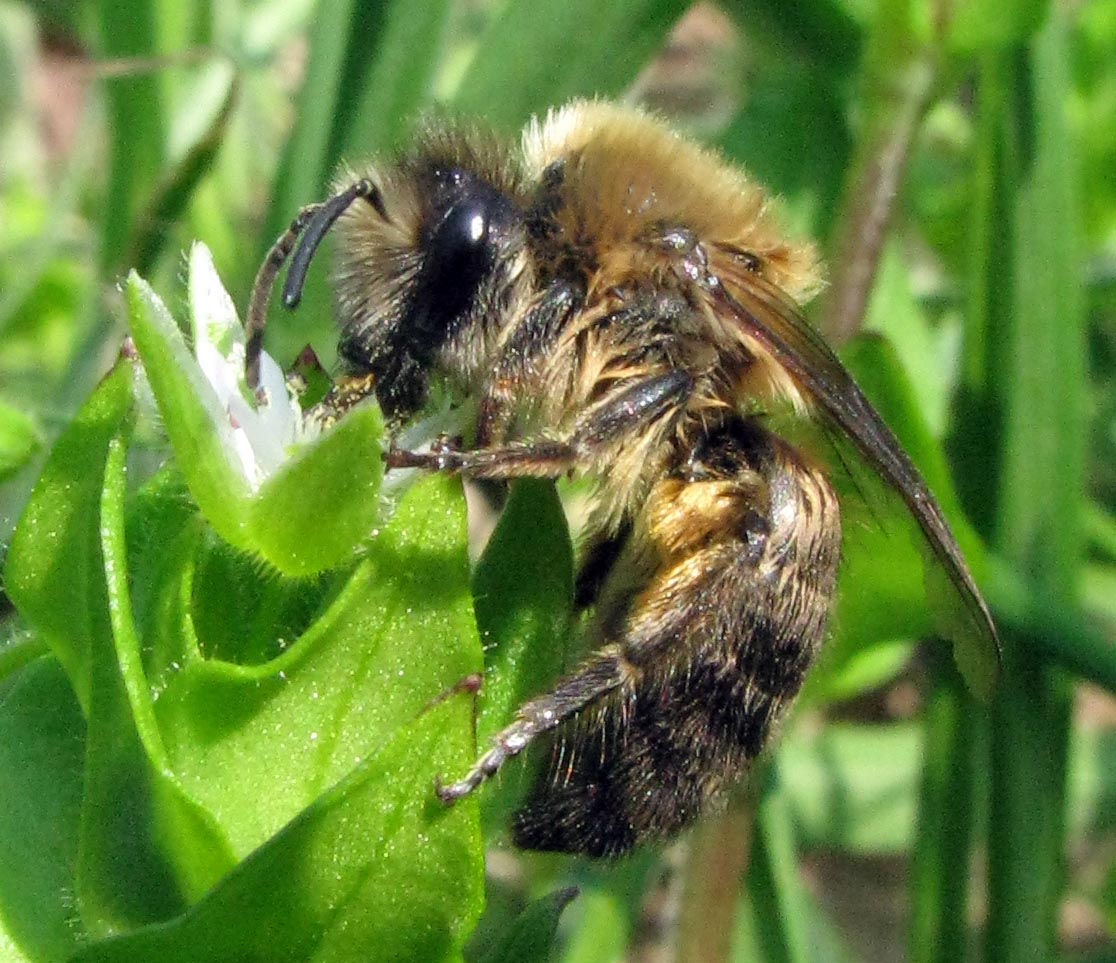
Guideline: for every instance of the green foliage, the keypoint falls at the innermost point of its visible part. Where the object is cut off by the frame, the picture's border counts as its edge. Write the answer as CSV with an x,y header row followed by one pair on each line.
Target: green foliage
x,y
18,440
229,657
530,939
324,758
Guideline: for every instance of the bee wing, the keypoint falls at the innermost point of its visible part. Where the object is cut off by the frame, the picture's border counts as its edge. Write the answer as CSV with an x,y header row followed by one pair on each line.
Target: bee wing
x,y
769,319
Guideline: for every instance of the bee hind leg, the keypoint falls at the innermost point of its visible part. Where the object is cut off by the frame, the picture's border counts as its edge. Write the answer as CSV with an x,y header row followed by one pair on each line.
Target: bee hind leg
x,y
603,672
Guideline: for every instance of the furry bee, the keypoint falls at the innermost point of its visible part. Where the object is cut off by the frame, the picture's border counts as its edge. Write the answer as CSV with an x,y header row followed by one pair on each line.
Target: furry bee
x,y
621,304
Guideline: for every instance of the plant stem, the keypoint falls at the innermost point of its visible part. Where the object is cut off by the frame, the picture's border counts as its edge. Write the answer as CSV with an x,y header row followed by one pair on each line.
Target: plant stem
x,y
899,80
713,878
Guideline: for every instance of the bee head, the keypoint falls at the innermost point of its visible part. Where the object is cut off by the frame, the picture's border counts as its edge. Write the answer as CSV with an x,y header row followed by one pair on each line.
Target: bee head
x,y
429,249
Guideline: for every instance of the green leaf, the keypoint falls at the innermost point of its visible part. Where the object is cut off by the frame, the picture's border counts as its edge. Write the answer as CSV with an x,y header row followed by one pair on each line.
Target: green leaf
x,y
978,25
42,735
375,869
19,440
322,502
53,572
240,611
164,531
146,848
530,939
523,589
318,504
73,526
18,650
199,431
399,632
538,54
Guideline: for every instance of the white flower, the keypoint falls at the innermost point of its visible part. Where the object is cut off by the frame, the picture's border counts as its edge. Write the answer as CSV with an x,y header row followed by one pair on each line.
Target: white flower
x,y
264,436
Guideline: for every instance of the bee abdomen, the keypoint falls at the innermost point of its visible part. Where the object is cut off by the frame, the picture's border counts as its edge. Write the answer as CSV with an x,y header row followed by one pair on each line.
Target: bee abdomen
x,y
719,638
652,760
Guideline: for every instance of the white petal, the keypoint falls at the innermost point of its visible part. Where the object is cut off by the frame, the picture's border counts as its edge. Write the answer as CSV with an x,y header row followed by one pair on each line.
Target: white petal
x,y
265,434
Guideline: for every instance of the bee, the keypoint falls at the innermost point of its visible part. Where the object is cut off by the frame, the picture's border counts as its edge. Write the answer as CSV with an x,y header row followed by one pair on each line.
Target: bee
x,y
620,304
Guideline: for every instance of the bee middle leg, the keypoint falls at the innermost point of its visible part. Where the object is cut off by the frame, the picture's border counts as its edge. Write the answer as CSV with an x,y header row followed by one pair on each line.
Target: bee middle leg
x,y
625,410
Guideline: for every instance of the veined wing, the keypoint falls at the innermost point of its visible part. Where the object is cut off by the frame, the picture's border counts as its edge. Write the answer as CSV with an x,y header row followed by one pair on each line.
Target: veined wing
x,y
774,323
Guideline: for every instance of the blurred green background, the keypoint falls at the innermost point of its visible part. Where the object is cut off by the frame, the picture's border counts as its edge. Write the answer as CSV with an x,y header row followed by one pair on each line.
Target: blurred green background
x,y
957,163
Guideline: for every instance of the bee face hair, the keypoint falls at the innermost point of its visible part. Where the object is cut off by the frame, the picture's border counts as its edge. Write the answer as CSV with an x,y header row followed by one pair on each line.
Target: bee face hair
x,y
621,304
429,274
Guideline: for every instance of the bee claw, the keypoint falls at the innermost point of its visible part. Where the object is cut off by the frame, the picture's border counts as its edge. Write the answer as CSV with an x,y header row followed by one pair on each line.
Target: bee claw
x,y
441,458
401,458
438,787
443,792
450,794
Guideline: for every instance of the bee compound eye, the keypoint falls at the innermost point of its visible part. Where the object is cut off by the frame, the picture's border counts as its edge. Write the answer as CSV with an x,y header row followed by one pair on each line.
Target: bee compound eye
x,y
459,255
463,231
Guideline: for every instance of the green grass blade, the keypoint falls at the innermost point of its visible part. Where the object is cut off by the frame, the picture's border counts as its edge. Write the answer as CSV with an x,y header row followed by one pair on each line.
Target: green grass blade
x,y
1038,385
392,81
1060,635
820,33
775,930
305,166
943,842
175,189
540,53
605,916
713,877
370,72
898,82
530,938
136,121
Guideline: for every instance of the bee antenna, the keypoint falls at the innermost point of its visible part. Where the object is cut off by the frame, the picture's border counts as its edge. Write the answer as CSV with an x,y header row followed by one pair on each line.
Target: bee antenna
x,y
319,224
307,230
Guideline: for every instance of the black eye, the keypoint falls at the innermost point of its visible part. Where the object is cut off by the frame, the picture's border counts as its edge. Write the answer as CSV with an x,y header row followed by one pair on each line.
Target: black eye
x,y
458,257
465,227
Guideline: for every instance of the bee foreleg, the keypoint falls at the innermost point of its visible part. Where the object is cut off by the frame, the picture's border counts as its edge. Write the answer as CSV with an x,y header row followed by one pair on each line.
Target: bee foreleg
x,y
606,670
625,410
